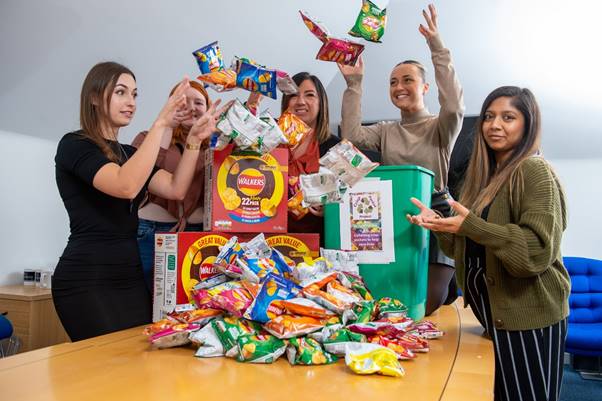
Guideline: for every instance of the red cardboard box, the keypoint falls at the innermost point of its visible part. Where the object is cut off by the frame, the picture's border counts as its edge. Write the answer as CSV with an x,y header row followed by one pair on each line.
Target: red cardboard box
x,y
246,192
295,246
181,261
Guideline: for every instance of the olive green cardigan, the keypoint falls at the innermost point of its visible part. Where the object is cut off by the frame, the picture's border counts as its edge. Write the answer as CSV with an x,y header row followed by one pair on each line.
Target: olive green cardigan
x,y
527,282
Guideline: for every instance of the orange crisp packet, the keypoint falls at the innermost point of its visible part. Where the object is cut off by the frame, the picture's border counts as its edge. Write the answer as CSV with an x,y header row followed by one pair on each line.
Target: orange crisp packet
x,y
288,326
325,299
306,307
221,81
293,128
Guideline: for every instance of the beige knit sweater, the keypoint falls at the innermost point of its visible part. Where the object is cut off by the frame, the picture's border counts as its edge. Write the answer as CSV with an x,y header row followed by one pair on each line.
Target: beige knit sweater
x,y
419,138
527,282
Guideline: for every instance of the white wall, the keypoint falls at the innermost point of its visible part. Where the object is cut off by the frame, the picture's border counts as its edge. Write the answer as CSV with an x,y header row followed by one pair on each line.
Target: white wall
x,y
581,181
47,47
34,222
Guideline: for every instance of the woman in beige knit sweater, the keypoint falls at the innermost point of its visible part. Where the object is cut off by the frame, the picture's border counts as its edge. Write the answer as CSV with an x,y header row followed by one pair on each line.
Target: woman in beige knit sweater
x,y
420,138
505,238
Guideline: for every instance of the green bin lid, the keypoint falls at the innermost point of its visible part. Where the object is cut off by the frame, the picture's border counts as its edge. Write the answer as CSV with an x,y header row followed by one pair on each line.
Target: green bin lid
x,y
402,168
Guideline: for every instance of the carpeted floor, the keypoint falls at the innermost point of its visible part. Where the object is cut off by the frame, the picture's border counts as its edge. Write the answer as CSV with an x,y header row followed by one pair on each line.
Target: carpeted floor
x,y
574,388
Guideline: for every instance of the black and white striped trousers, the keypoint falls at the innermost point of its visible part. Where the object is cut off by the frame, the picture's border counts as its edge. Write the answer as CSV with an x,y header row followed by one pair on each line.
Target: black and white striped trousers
x,y
528,363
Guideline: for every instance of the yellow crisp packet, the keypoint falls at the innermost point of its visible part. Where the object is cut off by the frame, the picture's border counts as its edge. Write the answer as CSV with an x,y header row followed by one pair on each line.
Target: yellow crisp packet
x,y
293,128
366,358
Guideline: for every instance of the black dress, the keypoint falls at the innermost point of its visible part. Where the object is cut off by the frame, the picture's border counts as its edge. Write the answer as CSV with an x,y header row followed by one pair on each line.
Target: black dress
x,y
97,286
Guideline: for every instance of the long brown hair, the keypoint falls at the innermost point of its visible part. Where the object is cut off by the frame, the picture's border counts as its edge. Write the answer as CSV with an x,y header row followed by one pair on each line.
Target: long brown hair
x,y
94,108
180,132
322,120
483,177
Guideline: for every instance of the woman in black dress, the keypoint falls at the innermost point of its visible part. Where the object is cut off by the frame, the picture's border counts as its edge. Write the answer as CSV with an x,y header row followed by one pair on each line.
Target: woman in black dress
x,y
98,286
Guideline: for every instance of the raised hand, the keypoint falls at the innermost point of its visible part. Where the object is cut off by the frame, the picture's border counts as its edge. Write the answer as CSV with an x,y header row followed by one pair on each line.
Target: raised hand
x,y
348,70
431,21
175,103
206,124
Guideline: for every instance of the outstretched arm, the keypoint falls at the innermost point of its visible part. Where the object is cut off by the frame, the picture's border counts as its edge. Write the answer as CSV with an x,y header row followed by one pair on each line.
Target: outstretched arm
x,y
451,95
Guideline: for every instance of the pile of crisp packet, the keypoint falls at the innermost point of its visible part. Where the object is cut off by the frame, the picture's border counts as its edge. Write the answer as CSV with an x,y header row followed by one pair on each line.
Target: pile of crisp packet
x,y
260,307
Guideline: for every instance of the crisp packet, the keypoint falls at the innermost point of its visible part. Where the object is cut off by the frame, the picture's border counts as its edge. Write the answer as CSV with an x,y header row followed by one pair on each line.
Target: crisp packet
x,y
360,312
255,78
293,128
209,58
219,141
285,83
273,288
425,329
315,27
160,325
288,326
391,307
229,329
295,206
401,351
229,252
342,261
255,269
282,266
204,298
343,293
273,136
356,283
260,348
336,341
208,342
307,351
347,163
323,298
317,272
256,247
220,81
333,49
173,336
242,126
370,23
340,51
211,282
234,300
320,188
366,358
305,307
198,316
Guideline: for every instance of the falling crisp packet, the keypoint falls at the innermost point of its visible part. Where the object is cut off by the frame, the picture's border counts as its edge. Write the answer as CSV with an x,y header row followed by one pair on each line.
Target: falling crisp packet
x,y
370,23
209,58
333,49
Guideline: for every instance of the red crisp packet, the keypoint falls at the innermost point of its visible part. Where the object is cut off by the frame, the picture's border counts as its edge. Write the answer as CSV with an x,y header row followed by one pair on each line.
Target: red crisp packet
x,y
340,51
337,50
315,27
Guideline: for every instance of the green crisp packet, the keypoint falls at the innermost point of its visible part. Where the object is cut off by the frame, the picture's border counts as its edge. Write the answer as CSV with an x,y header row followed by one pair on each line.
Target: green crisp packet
x,y
260,348
307,351
391,307
229,329
370,23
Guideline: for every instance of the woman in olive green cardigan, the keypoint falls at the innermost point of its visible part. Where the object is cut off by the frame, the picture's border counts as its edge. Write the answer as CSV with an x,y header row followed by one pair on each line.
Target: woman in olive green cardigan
x,y
506,243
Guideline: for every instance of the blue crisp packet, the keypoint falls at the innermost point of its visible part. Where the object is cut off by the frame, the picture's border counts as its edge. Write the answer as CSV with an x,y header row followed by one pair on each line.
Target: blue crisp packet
x,y
282,267
273,288
257,79
209,58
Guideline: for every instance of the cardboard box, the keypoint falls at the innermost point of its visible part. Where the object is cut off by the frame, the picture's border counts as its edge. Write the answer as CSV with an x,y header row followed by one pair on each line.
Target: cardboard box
x,y
246,192
181,261
299,247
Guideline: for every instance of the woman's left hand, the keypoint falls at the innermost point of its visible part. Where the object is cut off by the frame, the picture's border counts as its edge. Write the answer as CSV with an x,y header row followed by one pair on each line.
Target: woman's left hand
x,y
430,220
206,124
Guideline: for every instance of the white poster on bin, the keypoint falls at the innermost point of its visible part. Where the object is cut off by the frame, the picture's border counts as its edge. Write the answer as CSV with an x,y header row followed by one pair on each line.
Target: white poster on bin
x,y
366,216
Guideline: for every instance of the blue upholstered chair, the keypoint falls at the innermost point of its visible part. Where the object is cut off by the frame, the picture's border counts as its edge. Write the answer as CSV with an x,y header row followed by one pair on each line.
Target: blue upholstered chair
x,y
585,320
9,344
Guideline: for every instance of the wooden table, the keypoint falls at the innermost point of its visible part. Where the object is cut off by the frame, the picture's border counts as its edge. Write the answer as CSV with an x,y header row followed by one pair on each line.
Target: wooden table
x,y
122,366
32,314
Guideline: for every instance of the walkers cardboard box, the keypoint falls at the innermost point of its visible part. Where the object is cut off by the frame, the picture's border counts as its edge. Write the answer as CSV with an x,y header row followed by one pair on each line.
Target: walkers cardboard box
x,y
246,192
181,261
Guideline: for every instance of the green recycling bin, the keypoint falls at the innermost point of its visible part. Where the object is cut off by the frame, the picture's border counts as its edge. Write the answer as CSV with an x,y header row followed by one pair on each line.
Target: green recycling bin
x,y
372,220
